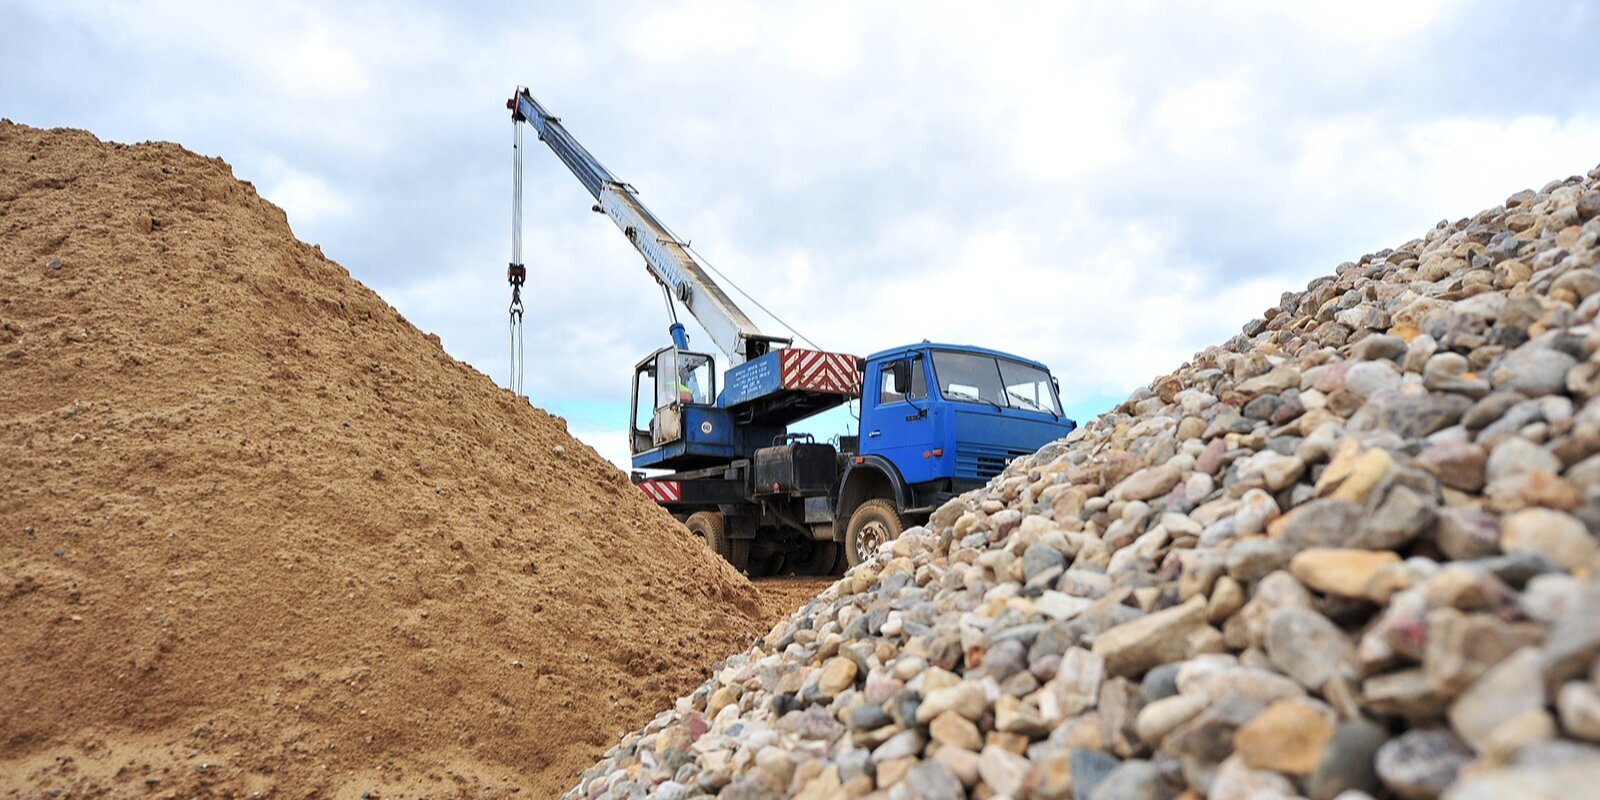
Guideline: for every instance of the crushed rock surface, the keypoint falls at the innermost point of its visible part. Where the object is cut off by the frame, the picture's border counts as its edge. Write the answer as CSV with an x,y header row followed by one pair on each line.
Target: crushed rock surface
x,y
1349,553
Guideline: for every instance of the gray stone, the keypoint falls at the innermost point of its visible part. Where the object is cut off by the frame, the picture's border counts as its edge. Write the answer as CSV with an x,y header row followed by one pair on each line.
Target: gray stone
x,y
1089,768
1133,780
1401,507
1379,346
1516,455
1367,378
1040,557
1410,416
1308,647
1511,687
1492,407
1250,560
1320,523
1347,761
1533,370
929,780
1421,764
1464,534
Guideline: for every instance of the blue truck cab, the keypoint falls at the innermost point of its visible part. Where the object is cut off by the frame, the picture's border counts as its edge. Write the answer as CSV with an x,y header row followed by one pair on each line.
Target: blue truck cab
x,y
956,412
938,420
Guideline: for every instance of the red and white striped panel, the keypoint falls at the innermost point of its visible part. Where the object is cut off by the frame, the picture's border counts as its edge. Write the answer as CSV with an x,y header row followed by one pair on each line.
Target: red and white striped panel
x,y
816,371
662,491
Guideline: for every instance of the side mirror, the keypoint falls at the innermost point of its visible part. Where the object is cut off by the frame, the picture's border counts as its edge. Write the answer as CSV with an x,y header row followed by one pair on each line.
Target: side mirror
x,y
1056,384
901,372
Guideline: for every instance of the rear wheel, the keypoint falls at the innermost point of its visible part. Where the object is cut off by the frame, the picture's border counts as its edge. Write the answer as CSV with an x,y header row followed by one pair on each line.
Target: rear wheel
x,y
815,558
873,523
708,525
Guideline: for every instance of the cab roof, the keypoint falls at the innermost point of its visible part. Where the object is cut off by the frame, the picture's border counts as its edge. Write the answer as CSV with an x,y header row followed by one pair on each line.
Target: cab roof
x,y
955,348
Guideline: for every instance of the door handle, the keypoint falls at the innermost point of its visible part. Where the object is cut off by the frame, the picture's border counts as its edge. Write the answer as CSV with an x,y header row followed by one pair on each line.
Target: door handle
x,y
874,433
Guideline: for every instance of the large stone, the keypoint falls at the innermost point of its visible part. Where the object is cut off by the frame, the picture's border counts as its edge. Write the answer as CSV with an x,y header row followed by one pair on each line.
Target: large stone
x,y
1319,523
1158,718
1133,780
1308,647
1148,483
1289,737
1465,534
1346,763
1515,456
1133,647
1532,370
1458,465
1579,704
1400,508
1039,558
1461,647
1250,560
1341,572
838,674
1075,687
1537,782
929,780
1421,764
1353,472
1002,770
1367,378
1235,780
1089,768
953,730
1511,687
1558,536
966,699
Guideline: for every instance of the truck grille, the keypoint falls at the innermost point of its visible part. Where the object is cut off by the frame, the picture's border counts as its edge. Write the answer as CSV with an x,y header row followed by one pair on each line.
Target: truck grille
x,y
983,461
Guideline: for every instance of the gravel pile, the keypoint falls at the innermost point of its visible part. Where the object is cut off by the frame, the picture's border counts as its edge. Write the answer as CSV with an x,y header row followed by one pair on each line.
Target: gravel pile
x,y
1348,553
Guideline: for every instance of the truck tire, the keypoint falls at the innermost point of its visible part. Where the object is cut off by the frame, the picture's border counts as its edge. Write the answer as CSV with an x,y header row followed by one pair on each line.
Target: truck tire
x,y
816,558
708,526
873,523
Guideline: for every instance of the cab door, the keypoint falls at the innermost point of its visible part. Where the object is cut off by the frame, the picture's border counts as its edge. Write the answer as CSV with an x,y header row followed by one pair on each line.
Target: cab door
x,y
897,418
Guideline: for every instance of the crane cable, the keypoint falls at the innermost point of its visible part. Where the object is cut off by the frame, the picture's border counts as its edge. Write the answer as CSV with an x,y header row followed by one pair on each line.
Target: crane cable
x,y
516,273
707,263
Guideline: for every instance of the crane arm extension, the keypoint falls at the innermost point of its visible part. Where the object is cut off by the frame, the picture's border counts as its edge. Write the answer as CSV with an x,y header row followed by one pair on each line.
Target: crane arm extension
x,y
666,258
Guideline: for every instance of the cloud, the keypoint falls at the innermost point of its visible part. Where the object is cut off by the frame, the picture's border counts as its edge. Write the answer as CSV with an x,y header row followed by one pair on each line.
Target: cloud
x,y
1108,187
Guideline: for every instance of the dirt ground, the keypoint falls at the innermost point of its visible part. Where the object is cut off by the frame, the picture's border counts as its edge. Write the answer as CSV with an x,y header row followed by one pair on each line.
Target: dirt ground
x,y
260,534
784,596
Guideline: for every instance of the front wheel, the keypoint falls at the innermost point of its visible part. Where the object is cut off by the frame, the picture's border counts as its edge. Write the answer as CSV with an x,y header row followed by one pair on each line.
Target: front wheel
x,y
708,525
873,523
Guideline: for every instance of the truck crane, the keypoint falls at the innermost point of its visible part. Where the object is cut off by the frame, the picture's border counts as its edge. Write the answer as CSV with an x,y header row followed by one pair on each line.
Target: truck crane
x,y
935,419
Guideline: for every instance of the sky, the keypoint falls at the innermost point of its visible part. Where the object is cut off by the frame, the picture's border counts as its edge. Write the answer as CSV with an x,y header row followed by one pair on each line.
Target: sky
x,y
1106,187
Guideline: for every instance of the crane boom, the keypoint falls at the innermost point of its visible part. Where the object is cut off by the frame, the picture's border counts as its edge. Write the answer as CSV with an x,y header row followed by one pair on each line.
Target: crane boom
x,y
667,259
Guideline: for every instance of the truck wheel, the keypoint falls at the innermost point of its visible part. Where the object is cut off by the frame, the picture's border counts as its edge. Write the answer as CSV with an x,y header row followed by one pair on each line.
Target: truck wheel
x,y
816,559
873,523
708,526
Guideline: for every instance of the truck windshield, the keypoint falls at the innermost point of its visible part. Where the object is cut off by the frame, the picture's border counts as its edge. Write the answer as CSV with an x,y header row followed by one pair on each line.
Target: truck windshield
x,y
1000,382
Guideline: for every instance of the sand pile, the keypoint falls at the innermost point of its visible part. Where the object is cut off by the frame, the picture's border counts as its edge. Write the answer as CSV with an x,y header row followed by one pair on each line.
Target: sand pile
x,y
1350,553
258,531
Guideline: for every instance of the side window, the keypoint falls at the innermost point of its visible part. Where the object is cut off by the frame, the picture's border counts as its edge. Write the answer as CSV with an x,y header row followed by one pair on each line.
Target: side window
x,y
886,393
917,391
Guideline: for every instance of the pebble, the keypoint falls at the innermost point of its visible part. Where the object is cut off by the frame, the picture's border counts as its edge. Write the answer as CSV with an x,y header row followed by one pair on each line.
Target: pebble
x,y
1346,553
1421,764
1560,537
1288,737
1339,571
1509,688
